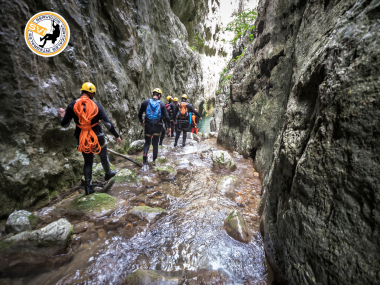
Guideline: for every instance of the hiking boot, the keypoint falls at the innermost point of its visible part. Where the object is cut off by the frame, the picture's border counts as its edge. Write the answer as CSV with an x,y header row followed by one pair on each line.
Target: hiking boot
x,y
145,160
110,175
175,144
88,188
183,145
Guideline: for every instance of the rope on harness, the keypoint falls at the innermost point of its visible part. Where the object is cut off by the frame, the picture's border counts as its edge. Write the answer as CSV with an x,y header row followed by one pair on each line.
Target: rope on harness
x,y
86,110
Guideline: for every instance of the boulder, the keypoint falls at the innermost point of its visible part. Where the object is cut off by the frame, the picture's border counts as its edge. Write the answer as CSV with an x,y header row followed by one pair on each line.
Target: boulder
x,y
127,176
33,251
20,221
147,213
163,160
183,165
222,159
94,205
149,181
213,135
236,228
166,172
136,146
227,185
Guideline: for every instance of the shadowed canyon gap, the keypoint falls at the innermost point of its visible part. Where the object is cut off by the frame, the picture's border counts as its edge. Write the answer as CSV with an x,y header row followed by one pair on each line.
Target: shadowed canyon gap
x,y
303,103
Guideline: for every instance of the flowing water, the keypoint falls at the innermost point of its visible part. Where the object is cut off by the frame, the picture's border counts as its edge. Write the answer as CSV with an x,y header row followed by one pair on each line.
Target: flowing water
x,y
204,125
190,237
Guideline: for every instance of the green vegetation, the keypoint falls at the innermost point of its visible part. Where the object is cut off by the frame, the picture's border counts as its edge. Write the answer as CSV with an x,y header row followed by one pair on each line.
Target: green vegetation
x,y
33,219
241,24
225,80
231,216
198,42
126,175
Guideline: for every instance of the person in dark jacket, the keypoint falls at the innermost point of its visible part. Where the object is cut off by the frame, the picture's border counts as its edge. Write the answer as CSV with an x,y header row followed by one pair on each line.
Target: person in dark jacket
x,y
170,108
88,91
183,121
153,128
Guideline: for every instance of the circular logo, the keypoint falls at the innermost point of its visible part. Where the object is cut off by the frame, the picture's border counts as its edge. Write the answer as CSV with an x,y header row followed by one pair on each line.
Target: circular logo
x,y
47,34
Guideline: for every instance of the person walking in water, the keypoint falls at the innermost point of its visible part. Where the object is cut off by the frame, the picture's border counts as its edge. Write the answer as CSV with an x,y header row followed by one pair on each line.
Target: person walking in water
x,y
87,115
182,119
175,103
194,123
51,37
155,113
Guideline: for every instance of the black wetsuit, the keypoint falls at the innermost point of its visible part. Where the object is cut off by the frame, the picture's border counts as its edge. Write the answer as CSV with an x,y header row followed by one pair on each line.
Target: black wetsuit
x,y
155,130
183,125
171,126
89,157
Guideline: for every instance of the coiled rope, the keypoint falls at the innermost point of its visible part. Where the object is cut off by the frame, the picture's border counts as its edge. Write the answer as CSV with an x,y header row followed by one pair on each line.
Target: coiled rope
x,y
86,110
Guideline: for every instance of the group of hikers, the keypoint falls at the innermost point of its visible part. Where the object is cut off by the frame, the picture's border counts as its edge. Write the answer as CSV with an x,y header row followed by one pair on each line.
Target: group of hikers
x,y
174,117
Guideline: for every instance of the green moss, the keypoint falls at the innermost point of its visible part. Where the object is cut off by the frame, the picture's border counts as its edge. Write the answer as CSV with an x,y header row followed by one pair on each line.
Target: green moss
x,y
126,175
93,202
161,169
33,219
69,237
4,244
162,160
139,159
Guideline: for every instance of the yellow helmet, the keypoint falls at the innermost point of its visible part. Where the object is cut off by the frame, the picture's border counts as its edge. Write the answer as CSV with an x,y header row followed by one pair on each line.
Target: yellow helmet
x,y
158,90
89,87
168,98
184,96
175,99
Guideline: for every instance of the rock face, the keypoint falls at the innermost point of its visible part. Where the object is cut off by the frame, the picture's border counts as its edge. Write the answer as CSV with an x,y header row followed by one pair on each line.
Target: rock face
x,y
31,248
236,228
119,46
304,104
20,221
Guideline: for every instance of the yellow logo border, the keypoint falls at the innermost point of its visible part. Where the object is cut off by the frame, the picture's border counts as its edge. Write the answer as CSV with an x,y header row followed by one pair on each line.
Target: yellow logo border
x,y
67,37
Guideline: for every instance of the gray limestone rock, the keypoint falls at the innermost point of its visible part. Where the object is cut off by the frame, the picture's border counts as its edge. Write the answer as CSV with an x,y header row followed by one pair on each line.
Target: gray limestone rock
x,y
222,159
136,146
20,221
149,181
304,105
227,185
147,213
165,172
236,227
127,177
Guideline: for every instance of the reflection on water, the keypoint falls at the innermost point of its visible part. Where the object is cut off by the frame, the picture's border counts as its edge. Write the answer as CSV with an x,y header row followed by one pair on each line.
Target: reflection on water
x,y
190,237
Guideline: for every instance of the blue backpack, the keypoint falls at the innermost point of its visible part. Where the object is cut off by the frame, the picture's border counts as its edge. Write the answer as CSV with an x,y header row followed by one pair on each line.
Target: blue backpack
x,y
153,111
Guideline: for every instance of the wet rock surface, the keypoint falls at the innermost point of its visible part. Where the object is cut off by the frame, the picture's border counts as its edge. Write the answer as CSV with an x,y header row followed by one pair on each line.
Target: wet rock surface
x,y
236,228
117,46
304,104
20,221
165,228
222,159
30,249
136,146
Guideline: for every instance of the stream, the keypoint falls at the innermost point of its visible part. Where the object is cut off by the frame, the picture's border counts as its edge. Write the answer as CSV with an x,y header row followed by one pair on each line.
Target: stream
x,y
190,237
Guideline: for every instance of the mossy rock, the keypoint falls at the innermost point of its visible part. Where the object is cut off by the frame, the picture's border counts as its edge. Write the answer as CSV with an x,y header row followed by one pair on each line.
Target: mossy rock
x,y
20,221
148,213
162,160
136,146
139,159
165,172
236,227
126,176
97,204
222,159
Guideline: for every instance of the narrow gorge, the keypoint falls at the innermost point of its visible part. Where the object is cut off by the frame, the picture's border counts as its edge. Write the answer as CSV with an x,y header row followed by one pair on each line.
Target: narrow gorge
x,y
283,190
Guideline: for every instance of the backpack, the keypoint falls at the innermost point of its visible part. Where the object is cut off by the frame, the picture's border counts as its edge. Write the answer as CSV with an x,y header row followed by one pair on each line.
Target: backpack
x,y
183,112
167,105
153,111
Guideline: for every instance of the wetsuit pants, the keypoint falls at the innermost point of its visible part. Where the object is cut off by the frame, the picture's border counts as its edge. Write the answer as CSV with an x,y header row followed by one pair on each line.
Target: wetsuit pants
x,y
149,132
162,135
89,160
184,128
172,127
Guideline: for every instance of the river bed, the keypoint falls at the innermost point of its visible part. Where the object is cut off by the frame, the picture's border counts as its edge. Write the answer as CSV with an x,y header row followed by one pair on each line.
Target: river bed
x,y
190,237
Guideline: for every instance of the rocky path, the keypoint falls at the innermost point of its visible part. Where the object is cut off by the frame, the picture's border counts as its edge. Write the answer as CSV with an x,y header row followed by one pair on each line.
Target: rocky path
x,y
190,219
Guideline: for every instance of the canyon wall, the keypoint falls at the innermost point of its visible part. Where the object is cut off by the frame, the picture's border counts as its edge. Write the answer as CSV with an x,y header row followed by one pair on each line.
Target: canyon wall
x,y
305,106
126,48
